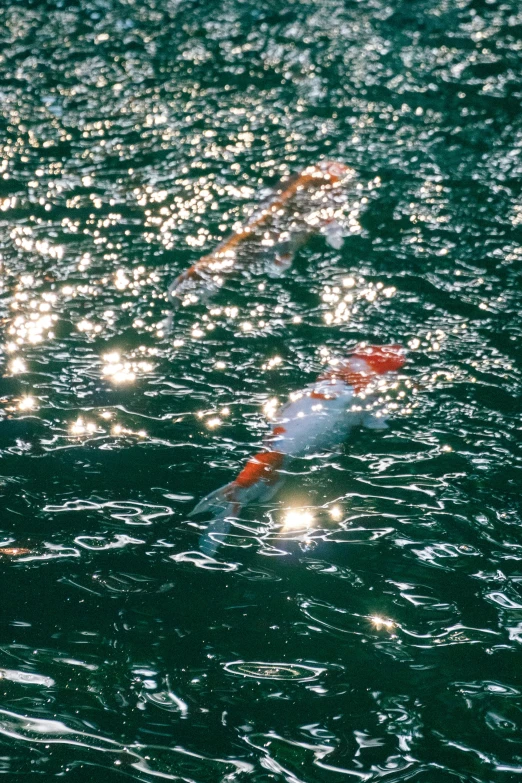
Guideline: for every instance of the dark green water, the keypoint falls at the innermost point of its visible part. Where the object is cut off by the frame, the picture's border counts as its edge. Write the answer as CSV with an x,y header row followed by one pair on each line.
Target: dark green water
x,y
133,136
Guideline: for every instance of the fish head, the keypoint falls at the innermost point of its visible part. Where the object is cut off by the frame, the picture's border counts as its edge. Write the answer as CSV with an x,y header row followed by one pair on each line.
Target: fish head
x,y
359,369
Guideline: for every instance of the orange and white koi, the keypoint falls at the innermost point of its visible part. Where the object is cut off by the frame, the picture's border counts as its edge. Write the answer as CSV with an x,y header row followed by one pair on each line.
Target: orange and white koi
x,y
316,419
300,207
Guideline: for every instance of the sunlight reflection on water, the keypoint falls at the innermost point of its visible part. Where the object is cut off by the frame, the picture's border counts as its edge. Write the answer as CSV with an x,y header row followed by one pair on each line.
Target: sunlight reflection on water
x,y
364,620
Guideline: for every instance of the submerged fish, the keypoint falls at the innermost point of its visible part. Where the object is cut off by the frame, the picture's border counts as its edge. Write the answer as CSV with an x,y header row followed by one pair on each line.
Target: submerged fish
x,y
318,418
300,207
14,551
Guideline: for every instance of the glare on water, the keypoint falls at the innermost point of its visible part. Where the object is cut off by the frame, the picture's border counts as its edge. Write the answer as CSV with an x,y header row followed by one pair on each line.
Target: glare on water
x,y
362,621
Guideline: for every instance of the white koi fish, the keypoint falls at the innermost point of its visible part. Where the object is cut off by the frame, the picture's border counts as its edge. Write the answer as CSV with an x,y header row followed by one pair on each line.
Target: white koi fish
x,y
300,207
316,419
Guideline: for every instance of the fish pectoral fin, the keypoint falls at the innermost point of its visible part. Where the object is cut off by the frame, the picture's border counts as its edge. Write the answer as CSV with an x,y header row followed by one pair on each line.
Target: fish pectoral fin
x,y
218,501
223,506
209,541
334,235
279,264
374,422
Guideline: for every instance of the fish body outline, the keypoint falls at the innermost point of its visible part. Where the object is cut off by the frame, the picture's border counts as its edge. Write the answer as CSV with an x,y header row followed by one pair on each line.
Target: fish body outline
x,y
318,418
318,184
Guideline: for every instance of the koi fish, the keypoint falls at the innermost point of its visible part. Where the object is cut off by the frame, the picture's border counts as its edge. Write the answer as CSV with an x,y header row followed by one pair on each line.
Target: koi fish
x,y
14,551
316,419
300,207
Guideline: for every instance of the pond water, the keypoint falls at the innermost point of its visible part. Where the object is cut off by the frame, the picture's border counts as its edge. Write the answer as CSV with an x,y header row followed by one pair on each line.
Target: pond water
x,y
381,637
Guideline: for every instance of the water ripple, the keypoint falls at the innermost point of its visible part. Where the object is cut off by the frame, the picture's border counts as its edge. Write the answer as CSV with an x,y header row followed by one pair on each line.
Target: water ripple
x,y
365,622
273,671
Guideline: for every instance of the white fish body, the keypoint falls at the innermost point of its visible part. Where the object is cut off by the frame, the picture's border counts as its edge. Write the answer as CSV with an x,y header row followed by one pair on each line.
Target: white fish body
x,y
319,419
316,419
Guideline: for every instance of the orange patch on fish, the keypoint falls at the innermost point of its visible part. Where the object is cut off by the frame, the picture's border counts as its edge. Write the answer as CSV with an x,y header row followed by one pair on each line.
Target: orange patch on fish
x,y
14,551
315,395
344,372
260,467
382,358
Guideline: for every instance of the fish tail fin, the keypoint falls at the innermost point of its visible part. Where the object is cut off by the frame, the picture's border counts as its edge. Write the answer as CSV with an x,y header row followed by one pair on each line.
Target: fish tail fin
x,y
175,290
254,481
173,294
223,504
192,280
210,539
258,480
221,501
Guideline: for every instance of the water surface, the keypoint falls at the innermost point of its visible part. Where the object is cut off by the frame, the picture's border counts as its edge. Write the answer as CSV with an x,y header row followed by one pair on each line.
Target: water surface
x,y
383,640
